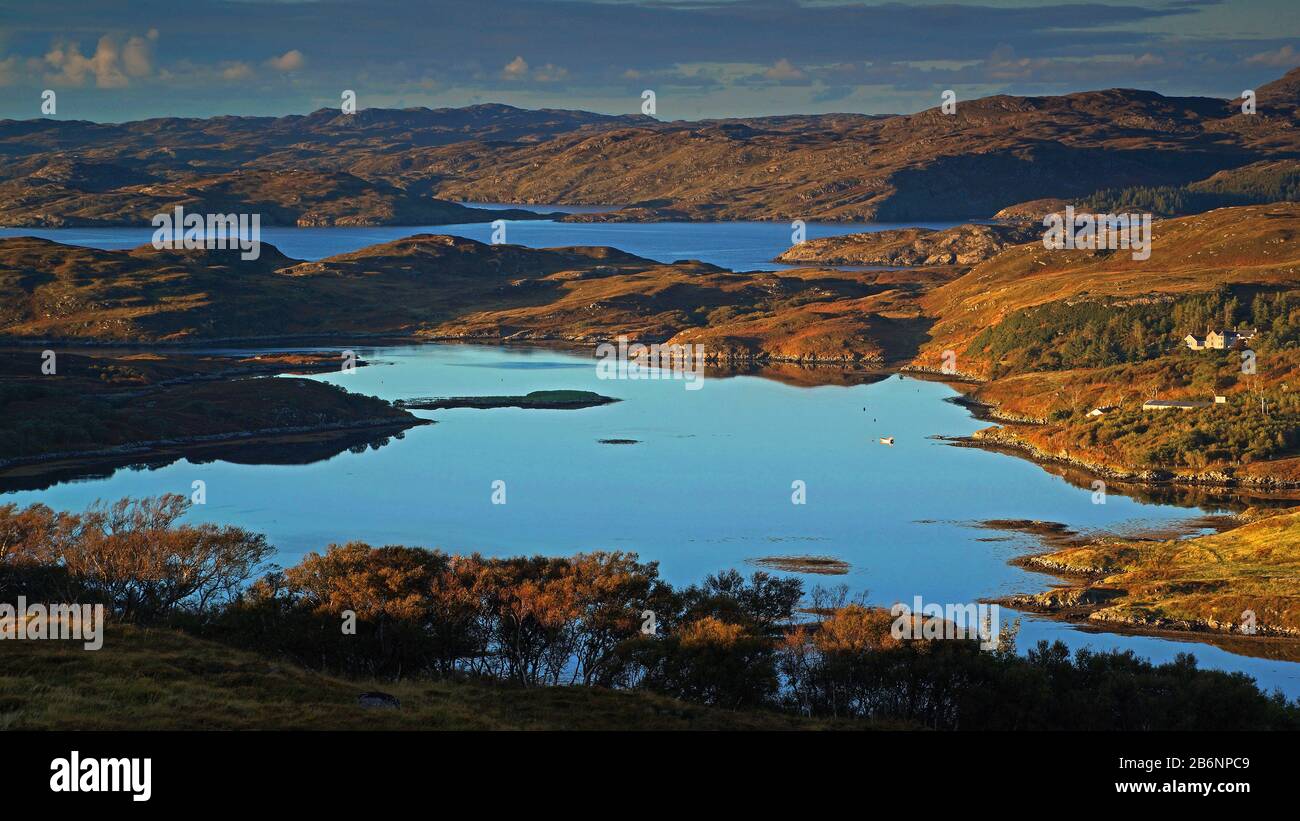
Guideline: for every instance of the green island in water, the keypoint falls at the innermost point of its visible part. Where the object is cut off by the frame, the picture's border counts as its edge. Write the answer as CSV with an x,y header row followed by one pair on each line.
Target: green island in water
x,y
545,400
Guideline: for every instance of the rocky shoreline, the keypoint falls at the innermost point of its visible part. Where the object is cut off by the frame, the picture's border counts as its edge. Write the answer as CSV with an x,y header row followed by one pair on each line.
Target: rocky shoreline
x,y
1000,437
1083,607
1111,592
964,245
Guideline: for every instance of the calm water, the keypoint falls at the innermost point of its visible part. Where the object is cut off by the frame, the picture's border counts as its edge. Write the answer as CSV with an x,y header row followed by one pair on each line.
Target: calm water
x,y
738,246
707,487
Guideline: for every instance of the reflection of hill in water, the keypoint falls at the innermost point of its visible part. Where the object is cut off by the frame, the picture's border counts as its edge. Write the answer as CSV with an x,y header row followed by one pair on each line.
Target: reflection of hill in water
x,y
801,376
304,450
1210,498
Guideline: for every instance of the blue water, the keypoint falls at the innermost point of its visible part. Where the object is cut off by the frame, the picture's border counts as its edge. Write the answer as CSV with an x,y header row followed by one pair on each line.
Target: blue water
x,y
737,246
708,486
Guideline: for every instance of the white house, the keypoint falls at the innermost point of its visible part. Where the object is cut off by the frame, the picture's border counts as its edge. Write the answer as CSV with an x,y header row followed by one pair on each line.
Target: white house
x,y
1166,404
1218,340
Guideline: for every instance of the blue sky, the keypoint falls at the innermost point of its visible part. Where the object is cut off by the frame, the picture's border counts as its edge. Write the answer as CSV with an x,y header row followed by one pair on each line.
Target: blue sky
x,y
113,61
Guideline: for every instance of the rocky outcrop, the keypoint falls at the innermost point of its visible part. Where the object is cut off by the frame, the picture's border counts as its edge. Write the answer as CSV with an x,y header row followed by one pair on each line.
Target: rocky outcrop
x,y
1032,211
1063,598
1003,437
964,245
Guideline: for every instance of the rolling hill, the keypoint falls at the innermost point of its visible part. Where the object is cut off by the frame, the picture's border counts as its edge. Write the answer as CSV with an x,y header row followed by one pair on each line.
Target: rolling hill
x,y
991,154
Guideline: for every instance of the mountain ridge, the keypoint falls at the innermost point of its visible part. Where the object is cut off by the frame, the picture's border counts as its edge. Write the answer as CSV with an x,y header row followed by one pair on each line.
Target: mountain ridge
x,y
993,153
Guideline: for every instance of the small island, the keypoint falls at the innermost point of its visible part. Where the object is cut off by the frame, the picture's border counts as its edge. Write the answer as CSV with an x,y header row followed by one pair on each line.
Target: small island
x,y
547,400
819,565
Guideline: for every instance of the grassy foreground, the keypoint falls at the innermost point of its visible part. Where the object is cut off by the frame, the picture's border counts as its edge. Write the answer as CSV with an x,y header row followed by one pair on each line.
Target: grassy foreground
x,y
167,680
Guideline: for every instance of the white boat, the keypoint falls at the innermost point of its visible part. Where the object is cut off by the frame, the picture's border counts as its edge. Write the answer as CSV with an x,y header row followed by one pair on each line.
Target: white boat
x,y
886,440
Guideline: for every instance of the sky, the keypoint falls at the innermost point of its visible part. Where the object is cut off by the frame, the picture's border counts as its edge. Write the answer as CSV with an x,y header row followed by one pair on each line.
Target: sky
x,y
116,60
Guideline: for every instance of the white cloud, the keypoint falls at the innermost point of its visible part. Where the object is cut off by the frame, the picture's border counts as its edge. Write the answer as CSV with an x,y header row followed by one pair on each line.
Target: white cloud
x,y
237,71
8,71
74,68
291,60
783,69
516,69
137,56
550,74
1284,57
1003,65
112,65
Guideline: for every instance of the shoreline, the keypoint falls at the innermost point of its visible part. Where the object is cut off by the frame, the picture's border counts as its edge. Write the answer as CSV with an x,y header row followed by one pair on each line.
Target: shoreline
x,y
998,440
1286,648
271,344
30,467
1073,599
79,463
615,215
1002,439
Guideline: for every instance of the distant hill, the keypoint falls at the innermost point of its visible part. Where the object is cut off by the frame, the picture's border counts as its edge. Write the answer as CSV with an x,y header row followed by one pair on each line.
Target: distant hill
x,y
443,287
53,291
1282,93
993,153
80,194
1049,334
962,245
293,170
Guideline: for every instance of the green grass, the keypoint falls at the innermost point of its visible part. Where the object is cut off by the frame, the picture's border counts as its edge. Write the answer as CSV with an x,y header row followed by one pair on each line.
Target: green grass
x,y
166,680
562,396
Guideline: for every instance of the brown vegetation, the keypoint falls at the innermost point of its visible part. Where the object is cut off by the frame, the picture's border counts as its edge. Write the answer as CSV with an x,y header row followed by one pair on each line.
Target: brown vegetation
x,y
400,167
133,556
1054,334
600,619
964,245
1204,583
440,287
818,565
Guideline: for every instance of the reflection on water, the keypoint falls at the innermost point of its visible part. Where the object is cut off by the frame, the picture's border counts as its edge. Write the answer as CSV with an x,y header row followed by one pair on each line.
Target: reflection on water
x,y
707,486
738,246
297,450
